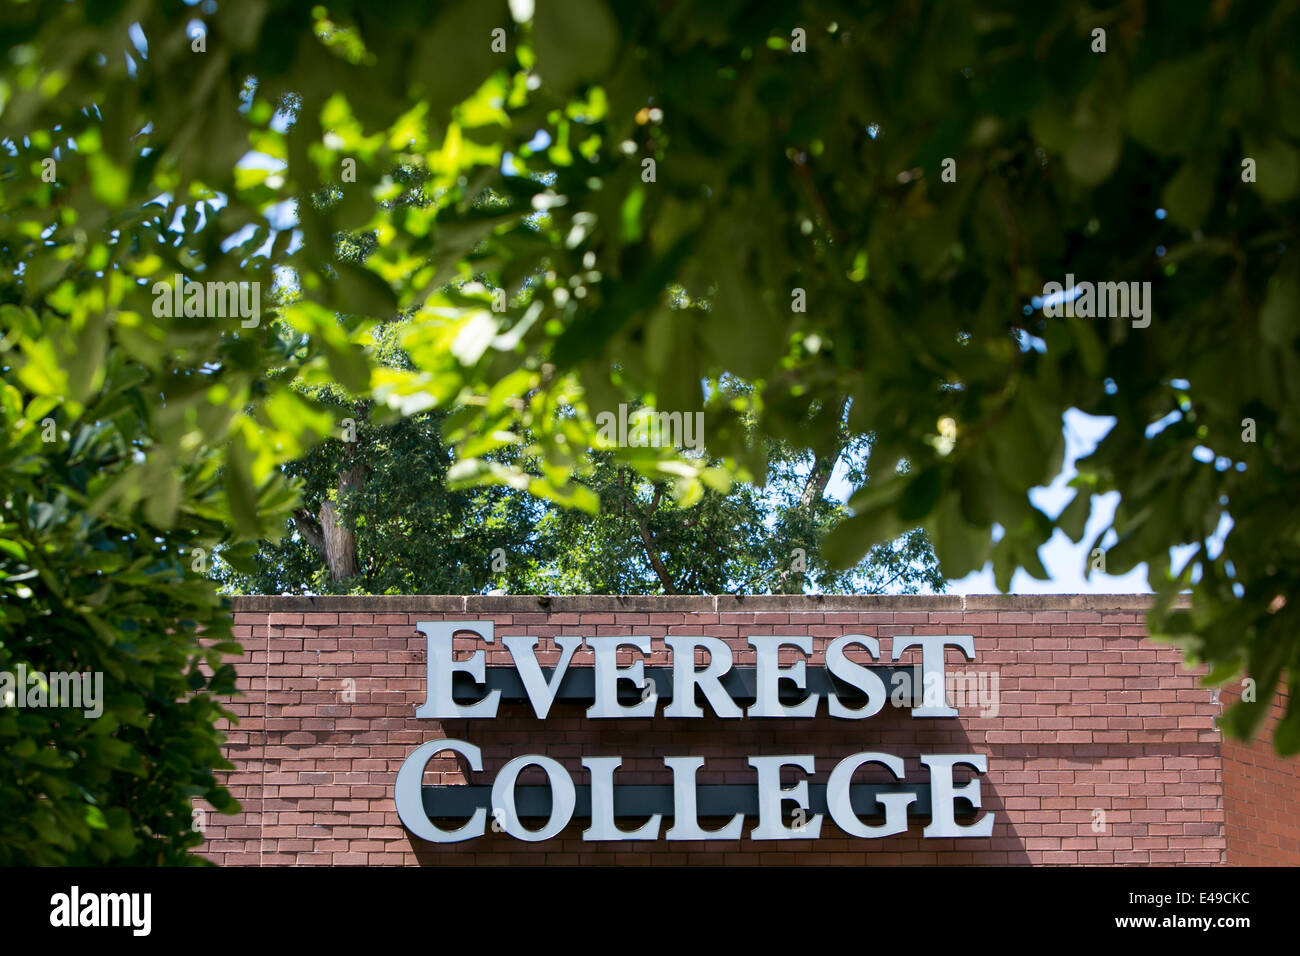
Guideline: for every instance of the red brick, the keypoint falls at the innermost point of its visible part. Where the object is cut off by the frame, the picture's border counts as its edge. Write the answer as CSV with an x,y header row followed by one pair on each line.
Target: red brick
x,y
1092,716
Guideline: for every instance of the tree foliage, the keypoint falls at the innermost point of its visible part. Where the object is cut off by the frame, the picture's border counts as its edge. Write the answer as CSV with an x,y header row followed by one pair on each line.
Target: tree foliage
x,y
705,162
411,533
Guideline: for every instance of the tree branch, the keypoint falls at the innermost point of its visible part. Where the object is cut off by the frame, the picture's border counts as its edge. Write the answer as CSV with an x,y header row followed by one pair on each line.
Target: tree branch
x,y
824,465
647,539
310,530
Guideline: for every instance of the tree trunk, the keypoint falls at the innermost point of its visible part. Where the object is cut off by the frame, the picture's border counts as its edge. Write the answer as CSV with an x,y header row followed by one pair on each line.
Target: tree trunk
x,y
340,552
333,540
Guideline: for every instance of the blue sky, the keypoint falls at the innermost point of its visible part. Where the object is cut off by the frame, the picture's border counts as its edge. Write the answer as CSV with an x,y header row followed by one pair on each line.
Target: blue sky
x,y
1064,560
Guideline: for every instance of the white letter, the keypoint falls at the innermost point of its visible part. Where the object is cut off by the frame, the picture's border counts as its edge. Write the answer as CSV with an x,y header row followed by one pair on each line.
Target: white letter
x,y
94,702
943,794
771,796
603,826
686,824
856,675
142,913
768,702
1141,304
932,647
252,308
563,797
1083,306
162,302
686,678
59,915
438,700
1053,310
608,674
607,428
541,692
841,808
409,796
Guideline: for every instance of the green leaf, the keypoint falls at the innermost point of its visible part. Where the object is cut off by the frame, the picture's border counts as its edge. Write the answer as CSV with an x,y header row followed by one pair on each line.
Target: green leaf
x,y
1093,153
1073,519
1190,194
575,41
853,537
1277,169
1168,106
1279,318
108,181
920,495
454,54
1286,734
240,493
1222,672
349,365
361,292
95,818
959,545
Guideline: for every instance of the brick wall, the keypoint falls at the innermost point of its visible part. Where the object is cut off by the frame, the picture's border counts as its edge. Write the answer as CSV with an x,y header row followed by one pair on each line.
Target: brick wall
x,y
1261,798
1103,750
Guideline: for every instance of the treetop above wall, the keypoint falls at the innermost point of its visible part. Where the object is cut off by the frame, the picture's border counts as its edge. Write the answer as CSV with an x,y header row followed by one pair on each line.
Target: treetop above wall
x,y
702,604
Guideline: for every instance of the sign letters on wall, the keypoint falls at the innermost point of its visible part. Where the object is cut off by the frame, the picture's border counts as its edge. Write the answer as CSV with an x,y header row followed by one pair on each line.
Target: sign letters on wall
x,y
459,689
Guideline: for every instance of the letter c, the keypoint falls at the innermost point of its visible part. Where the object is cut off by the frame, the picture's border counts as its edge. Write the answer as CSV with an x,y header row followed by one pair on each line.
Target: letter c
x,y
408,793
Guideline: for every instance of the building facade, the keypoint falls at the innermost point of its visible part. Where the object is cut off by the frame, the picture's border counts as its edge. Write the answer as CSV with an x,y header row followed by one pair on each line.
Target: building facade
x,y
871,731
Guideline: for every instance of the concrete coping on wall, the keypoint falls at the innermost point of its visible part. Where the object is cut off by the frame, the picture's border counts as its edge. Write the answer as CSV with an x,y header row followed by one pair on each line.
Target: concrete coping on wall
x,y
689,603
